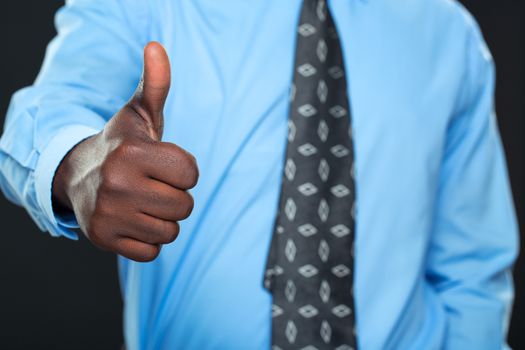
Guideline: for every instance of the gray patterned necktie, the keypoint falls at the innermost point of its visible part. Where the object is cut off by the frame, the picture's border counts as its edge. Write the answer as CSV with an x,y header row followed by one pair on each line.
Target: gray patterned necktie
x,y
310,265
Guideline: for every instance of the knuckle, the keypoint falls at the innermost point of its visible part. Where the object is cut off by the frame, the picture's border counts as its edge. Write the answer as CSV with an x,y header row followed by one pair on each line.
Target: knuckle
x,y
108,177
132,149
106,169
172,232
114,171
113,180
111,183
186,207
191,170
126,150
147,254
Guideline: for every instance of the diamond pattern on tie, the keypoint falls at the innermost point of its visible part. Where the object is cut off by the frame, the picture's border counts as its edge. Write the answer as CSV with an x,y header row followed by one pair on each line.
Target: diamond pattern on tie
x,y
291,331
306,70
324,170
339,151
307,149
290,169
307,189
309,268
322,50
337,111
326,331
290,290
324,291
336,72
321,10
306,29
307,230
340,191
292,130
307,110
323,210
323,251
322,91
308,311
340,270
276,311
323,130
290,209
290,250
340,230
341,310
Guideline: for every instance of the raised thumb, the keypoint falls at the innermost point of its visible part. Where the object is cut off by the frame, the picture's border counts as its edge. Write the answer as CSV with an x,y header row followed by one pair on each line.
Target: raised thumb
x,y
154,86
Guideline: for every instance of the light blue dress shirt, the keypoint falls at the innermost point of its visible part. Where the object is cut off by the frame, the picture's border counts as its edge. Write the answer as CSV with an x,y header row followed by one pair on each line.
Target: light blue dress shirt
x,y
436,229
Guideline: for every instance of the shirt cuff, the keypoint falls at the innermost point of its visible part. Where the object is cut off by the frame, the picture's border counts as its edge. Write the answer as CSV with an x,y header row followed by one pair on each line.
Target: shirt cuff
x,y
46,166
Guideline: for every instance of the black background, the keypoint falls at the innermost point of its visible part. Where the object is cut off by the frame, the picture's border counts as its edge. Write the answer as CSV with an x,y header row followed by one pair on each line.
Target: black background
x,y
61,294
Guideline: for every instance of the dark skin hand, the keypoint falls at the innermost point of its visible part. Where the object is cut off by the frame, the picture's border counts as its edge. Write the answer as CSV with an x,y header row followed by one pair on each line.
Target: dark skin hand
x,y
128,189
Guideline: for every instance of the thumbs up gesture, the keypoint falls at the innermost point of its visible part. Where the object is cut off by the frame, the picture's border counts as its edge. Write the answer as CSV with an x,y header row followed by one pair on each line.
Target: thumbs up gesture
x,y
128,189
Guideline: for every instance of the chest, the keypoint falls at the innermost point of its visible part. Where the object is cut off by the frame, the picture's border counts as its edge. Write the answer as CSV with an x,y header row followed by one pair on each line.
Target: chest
x,y
233,61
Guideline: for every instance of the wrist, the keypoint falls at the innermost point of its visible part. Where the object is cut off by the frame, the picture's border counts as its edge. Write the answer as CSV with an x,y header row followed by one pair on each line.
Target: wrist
x,y
64,177
60,198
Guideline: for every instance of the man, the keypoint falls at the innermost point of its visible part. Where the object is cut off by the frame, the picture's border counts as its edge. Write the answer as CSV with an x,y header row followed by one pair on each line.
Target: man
x,y
399,234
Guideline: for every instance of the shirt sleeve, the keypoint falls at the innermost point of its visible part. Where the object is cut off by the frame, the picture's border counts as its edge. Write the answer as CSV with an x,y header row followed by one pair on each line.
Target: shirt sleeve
x,y
475,236
90,70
